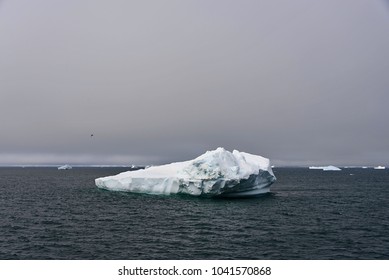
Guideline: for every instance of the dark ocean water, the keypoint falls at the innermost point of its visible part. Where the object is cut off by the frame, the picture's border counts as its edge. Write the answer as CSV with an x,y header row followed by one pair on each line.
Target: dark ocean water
x,y
310,214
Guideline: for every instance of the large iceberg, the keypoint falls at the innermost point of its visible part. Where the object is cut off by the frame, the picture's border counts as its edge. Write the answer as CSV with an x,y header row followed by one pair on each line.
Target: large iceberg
x,y
215,173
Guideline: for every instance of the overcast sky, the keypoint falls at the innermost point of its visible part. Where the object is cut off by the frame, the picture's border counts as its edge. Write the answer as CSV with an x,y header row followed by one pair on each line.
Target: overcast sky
x,y
300,82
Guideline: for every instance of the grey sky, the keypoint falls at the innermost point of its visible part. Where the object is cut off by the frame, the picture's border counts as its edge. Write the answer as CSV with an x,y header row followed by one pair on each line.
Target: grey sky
x,y
301,82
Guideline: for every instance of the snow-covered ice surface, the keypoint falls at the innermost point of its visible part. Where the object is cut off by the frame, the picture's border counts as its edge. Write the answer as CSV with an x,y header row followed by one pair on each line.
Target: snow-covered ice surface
x,y
215,173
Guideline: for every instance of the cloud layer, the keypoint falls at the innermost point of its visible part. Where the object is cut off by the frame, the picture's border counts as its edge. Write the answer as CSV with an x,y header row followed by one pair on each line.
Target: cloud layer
x,y
301,83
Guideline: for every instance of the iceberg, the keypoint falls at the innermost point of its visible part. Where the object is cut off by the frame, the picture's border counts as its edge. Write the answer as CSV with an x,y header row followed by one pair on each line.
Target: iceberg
x,y
326,168
64,167
214,173
379,167
331,168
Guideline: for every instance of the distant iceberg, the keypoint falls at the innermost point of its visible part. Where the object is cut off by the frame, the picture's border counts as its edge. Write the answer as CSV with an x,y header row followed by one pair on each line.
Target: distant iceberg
x,y
331,168
316,167
215,173
326,168
380,167
64,167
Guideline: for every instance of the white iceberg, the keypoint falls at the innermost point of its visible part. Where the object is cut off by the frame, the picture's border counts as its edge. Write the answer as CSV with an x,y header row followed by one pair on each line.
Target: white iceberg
x,y
379,167
331,168
65,167
326,168
215,173
316,167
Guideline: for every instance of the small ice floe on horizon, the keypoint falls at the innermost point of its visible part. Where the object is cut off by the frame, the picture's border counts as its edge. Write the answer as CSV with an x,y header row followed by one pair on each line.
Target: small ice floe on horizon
x,y
65,167
379,167
325,168
134,167
315,168
331,168
214,173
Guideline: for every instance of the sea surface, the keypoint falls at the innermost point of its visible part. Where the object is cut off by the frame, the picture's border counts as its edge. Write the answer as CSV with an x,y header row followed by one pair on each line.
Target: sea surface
x,y
47,213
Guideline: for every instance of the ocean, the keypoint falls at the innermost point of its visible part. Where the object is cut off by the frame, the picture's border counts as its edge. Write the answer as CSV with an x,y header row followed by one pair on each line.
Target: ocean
x,y
310,214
